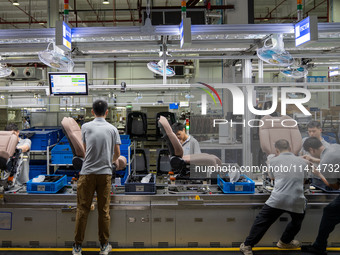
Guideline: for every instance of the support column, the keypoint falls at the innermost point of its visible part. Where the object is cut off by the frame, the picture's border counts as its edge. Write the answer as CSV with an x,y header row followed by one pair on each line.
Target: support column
x,y
334,10
52,12
89,70
229,76
246,134
52,16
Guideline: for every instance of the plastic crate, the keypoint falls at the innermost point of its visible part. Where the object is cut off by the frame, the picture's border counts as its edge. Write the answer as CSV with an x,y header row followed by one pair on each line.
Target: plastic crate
x,y
123,174
70,173
125,150
125,141
40,139
137,188
124,137
237,187
64,140
37,167
62,154
57,136
46,187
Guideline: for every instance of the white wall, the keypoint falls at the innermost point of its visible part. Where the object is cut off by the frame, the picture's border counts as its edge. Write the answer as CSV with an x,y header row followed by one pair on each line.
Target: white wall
x,y
239,15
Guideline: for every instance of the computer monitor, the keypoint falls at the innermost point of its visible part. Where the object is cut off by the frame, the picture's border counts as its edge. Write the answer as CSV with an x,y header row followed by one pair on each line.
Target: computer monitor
x,y
68,84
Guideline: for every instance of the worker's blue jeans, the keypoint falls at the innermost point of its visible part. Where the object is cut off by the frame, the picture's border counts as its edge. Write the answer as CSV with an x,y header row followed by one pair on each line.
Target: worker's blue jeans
x,y
330,218
266,218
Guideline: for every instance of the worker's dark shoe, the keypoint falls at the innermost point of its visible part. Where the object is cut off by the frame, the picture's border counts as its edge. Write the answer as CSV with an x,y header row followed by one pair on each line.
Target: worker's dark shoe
x,y
312,249
105,249
76,250
292,245
246,250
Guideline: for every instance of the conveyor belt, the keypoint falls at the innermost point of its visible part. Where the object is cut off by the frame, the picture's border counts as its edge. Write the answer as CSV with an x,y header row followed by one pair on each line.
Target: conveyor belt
x,y
166,251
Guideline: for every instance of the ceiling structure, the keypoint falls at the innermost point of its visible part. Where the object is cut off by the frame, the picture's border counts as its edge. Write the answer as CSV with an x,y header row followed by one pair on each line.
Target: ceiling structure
x,y
87,13
114,32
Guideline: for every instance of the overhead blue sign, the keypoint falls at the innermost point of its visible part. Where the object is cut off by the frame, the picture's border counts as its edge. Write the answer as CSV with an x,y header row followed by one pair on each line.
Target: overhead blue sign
x,y
306,30
185,32
63,36
67,36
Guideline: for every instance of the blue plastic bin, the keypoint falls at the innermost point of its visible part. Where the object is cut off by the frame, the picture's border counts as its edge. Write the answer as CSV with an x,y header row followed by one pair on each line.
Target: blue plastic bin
x,y
64,140
57,136
46,187
62,154
237,187
134,188
126,141
40,139
37,167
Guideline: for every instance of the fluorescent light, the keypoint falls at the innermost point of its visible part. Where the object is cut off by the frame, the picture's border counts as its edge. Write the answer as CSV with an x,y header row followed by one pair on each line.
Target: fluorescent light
x,y
15,2
106,2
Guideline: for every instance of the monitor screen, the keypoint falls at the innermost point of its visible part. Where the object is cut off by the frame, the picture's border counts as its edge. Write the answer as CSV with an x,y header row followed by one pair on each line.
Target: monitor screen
x,y
68,84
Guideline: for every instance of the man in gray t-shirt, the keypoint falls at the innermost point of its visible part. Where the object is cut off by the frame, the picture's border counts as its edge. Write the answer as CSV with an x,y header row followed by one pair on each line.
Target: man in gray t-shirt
x,y
314,130
24,145
288,196
102,145
189,143
329,172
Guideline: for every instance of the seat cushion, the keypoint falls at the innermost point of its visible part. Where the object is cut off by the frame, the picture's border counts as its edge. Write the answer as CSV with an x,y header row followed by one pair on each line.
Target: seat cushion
x,y
8,143
73,133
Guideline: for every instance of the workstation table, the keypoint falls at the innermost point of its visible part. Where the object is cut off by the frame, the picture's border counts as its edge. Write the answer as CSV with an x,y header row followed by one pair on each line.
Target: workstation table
x,y
161,220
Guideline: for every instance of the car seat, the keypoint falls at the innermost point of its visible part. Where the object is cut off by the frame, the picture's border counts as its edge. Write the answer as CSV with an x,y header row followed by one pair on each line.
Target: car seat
x,y
182,164
73,133
136,124
169,115
10,158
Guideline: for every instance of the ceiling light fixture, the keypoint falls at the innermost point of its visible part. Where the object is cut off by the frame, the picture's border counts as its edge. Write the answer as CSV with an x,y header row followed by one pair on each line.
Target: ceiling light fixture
x,y
106,2
15,2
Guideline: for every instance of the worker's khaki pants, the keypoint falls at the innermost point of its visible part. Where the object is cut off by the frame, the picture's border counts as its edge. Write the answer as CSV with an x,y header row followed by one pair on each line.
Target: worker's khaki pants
x,y
86,186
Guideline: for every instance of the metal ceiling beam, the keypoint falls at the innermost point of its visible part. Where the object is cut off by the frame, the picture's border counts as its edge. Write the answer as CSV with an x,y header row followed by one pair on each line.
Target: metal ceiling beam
x,y
93,9
192,3
315,6
83,32
270,13
131,13
3,21
286,18
213,7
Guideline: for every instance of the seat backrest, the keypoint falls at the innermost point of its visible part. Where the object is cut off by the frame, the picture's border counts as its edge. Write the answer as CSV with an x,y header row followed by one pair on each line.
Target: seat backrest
x,y
171,139
136,124
73,134
170,117
273,130
140,161
8,143
163,161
